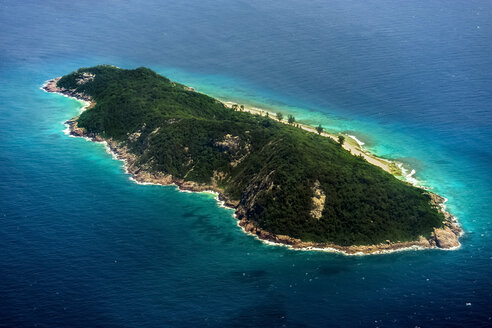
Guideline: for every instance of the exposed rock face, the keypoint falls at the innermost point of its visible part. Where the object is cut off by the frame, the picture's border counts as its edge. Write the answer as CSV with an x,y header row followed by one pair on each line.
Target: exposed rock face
x,y
258,184
155,131
51,87
319,199
134,136
229,143
446,238
85,77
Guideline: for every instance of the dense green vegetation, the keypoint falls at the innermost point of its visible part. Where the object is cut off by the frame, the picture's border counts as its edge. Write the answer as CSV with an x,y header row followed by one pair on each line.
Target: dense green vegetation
x,y
270,167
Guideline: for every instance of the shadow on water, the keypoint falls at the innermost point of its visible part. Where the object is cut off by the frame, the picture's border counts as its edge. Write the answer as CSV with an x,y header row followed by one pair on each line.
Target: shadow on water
x,y
270,313
329,271
249,276
207,225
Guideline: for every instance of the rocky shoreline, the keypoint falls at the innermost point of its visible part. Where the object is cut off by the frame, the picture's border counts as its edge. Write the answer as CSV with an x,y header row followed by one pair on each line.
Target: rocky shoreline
x,y
443,238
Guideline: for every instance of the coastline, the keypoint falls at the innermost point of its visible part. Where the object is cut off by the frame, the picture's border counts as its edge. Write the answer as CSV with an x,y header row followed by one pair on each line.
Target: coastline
x,y
443,238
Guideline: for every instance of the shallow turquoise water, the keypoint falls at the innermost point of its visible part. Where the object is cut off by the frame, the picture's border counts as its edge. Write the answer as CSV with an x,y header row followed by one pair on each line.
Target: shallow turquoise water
x,y
82,245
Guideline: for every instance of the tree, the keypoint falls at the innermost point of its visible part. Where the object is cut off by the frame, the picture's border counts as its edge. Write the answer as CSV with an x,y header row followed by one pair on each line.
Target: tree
x,y
319,129
280,116
291,119
234,107
341,139
242,108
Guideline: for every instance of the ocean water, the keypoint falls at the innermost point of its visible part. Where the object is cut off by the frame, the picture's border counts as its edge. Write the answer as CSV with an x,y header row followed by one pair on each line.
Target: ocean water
x,y
83,246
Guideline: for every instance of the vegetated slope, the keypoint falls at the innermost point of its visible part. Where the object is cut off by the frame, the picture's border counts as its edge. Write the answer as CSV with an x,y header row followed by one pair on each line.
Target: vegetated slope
x,y
274,170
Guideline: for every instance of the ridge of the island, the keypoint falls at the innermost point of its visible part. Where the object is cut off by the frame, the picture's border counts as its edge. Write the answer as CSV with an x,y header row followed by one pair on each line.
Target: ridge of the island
x,y
288,183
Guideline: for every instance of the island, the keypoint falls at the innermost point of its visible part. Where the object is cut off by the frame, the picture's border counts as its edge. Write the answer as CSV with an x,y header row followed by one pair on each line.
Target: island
x,y
288,183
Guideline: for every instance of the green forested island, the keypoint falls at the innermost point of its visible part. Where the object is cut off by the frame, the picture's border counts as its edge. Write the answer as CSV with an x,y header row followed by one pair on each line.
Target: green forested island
x,y
287,185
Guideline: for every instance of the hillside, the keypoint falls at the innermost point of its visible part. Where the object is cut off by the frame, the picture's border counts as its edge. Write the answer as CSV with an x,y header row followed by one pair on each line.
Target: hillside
x,y
281,179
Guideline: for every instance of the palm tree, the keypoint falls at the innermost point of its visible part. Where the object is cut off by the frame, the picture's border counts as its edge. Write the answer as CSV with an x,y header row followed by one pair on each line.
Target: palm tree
x,y
319,129
291,119
280,116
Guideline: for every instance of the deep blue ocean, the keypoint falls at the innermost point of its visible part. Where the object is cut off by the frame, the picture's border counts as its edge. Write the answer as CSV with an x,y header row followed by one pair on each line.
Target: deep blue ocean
x,y
83,246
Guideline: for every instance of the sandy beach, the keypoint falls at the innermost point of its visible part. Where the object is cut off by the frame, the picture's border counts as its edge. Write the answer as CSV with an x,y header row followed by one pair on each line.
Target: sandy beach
x,y
351,144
